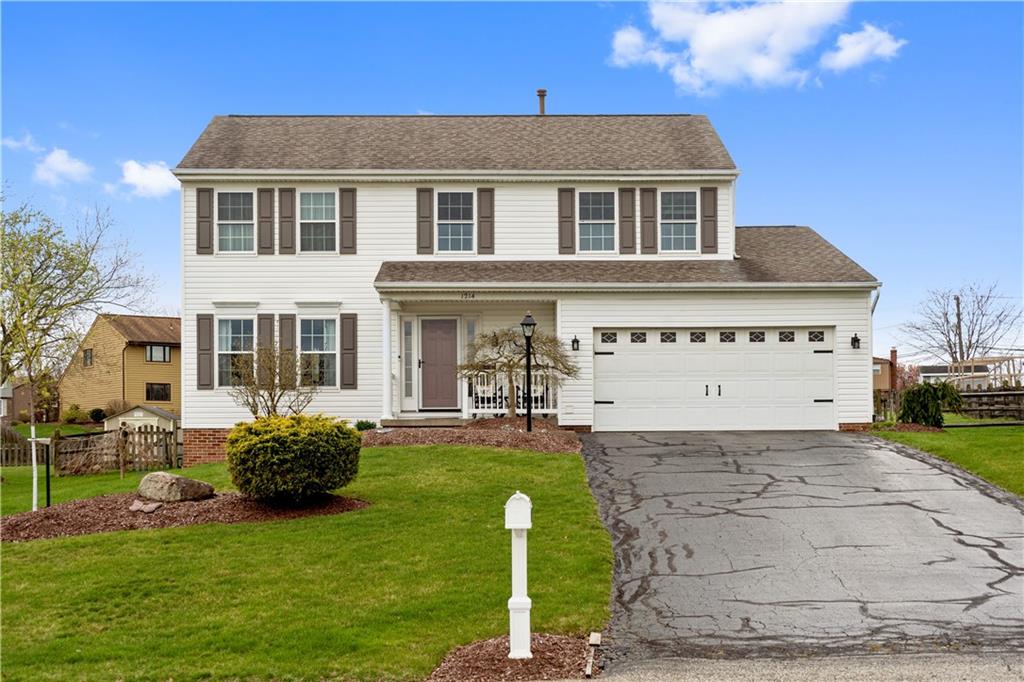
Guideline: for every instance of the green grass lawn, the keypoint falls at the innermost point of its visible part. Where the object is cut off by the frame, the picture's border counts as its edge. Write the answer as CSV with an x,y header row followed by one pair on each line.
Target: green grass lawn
x,y
46,430
995,453
380,593
954,418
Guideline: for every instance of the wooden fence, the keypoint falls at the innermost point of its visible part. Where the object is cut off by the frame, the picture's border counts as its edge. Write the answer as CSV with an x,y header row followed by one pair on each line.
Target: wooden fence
x,y
15,449
985,404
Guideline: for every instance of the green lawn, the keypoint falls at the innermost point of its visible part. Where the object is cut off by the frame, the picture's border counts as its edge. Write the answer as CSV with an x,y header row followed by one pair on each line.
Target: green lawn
x,y
995,453
954,418
380,593
46,430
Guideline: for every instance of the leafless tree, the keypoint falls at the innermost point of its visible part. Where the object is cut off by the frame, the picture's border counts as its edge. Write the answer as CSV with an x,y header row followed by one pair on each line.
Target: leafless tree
x,y
275,387
960,325
503,352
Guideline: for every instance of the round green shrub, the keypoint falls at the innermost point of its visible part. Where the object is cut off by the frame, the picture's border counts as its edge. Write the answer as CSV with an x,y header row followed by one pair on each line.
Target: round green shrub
x,y
365,425
290,459
97,414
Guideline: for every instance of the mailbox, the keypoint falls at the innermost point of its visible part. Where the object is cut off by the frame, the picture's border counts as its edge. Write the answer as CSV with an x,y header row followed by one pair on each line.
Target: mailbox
x,y
518,511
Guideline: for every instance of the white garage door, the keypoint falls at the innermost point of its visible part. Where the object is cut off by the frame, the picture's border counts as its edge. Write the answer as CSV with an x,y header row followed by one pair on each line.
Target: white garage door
x,y
715,379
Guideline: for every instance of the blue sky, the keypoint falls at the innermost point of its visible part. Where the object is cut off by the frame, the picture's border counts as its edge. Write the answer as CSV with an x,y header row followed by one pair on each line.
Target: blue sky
x,y
895,130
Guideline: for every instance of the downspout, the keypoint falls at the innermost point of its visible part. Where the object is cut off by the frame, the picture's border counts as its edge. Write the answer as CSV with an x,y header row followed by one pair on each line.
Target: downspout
x,y
123,394
878,295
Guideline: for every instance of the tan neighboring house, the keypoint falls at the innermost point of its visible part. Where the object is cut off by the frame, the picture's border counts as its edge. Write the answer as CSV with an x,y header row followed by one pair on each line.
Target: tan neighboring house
x,y
130,358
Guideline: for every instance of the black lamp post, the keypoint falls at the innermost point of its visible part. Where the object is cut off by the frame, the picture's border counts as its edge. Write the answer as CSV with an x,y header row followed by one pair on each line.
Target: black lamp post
x,y
529,325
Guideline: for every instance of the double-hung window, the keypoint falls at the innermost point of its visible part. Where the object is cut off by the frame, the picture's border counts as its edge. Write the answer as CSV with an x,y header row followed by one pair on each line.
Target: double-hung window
x,y
678,221
317,221
158,353
234,222
319,352
455,221
597,221
158,393
234,351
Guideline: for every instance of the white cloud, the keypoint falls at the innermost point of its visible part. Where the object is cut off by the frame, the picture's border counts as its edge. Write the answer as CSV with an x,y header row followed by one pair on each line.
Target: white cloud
x,y
58,166
151,180
705,47
855,49
26,142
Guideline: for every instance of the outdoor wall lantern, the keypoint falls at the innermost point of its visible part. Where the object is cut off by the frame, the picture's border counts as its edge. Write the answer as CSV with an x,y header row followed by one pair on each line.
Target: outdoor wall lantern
x,y
575,343
529,325
855,342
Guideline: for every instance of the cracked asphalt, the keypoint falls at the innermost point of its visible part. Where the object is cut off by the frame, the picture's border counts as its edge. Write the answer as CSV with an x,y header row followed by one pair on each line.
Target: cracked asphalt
x,y
753,544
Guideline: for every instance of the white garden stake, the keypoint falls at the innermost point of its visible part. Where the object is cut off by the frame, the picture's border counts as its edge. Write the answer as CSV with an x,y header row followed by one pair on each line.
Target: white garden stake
x,y
517,519
35,471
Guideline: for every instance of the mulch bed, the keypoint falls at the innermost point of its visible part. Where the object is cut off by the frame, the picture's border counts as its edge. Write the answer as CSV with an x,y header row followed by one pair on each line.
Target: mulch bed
x,y
555,657
900,426
500,432
111,512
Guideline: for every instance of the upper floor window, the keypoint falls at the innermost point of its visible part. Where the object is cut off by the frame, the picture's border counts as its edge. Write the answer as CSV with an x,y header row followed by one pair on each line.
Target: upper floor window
x,y
317,221
234,222
597,221
87,357
678,221
234,350
454,221
158,353
319,352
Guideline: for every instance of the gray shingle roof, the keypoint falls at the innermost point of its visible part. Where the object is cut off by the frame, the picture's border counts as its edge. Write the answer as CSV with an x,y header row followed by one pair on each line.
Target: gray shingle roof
x,y
147,328
528,143
792,254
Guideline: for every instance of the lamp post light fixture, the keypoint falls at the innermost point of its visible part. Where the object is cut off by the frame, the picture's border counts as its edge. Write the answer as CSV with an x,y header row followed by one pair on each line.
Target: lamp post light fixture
x,y
529,325
575,343
855,342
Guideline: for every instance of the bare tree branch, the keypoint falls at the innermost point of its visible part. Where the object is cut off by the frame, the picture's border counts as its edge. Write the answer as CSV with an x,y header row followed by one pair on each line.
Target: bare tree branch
x,y
274,387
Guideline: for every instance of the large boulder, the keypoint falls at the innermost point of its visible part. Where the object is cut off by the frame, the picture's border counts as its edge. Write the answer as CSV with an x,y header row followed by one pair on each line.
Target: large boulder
x,y
167,487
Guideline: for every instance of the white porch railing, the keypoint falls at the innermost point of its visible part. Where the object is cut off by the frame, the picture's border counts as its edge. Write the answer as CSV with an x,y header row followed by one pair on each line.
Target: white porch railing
x,y
489,395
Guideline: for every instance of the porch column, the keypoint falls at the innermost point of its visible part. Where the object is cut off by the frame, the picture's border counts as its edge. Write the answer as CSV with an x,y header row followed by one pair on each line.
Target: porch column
x,y
387,398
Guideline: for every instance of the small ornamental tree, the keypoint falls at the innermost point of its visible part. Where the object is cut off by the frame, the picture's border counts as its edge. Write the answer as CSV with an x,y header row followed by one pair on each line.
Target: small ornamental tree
x,y
276,386
923,403
503,352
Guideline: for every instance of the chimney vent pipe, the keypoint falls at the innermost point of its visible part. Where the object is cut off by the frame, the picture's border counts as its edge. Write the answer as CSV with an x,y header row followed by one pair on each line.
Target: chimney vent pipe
x,y
541,94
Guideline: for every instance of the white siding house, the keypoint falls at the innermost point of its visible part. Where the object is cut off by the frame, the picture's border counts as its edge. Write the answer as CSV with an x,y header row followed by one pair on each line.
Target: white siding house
x,y
635,240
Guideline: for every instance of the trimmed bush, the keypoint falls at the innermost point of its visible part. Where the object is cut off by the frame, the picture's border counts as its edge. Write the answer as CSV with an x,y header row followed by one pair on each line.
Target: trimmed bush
x,y
74,414
922,404
97,414
365,425
290,459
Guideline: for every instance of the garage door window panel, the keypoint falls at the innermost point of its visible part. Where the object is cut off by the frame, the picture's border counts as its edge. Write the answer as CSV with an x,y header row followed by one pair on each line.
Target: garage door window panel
x,y
787,336
698,337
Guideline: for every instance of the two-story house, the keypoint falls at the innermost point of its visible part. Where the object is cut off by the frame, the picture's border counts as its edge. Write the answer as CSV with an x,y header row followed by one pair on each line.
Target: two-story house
x,y
378,246
125,360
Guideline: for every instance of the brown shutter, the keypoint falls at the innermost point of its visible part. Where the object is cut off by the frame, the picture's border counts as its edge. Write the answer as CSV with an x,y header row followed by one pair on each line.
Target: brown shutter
x,y
648,220
265,222
709,220
485,220
286,344
627,220
424,220
347,223
566,220
264,340
204,352
349,334
204,221
286,240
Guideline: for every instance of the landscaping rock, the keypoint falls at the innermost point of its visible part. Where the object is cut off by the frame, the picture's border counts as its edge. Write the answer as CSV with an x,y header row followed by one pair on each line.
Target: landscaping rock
x,y
151,507
137,505
167,487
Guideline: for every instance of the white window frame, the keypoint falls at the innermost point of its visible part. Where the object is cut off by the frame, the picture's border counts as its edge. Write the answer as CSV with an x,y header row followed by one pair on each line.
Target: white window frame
x,y
216,331
299,191
696,191
158,345
579,222
472,223
216,219
337,348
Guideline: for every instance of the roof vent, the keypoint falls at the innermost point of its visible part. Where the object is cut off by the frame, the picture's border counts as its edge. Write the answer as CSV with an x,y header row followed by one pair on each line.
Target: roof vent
x,y
541,94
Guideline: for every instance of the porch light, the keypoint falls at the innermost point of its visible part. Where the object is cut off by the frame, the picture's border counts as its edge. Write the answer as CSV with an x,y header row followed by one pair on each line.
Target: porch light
x,y
575,343
528,324
855,341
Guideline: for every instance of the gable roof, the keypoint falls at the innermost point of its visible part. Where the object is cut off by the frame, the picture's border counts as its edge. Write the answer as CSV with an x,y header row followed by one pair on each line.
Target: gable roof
x,y
139,329
766,255
158,411
489,143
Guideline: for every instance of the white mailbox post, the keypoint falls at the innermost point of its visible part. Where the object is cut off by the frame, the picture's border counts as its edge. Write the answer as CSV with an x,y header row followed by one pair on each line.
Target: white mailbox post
x,y
518,511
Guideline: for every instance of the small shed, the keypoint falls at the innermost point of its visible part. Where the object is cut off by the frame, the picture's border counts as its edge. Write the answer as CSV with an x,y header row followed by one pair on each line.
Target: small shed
x,y
142,415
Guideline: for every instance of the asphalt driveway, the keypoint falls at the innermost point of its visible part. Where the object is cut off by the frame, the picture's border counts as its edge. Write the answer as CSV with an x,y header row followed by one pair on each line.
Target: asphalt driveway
x,y
799,543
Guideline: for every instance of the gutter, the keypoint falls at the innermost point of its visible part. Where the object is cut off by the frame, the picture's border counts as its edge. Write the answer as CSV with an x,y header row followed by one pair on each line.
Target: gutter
x,y
435,174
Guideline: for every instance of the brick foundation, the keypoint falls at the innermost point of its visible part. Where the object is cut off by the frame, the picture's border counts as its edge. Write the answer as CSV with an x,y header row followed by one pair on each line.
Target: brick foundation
x,y
204,445
578,428
855,426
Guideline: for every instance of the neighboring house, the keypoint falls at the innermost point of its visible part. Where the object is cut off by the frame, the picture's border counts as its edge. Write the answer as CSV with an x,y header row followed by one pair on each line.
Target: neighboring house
x,y
378,246
18,405
883,372
6,401
142,415
968,376
126,358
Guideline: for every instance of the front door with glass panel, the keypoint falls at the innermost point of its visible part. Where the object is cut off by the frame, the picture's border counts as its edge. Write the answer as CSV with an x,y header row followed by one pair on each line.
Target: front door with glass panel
x,y
439,359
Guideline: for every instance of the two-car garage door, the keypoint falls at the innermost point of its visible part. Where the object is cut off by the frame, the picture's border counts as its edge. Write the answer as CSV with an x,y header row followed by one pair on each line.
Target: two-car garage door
x,y
713,378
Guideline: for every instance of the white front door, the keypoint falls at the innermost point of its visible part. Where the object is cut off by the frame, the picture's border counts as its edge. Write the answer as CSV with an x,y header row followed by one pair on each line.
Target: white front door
x,y
714,379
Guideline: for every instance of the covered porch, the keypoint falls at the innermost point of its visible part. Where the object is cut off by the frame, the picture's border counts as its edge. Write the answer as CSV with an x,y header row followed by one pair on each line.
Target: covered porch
x,y
427,337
